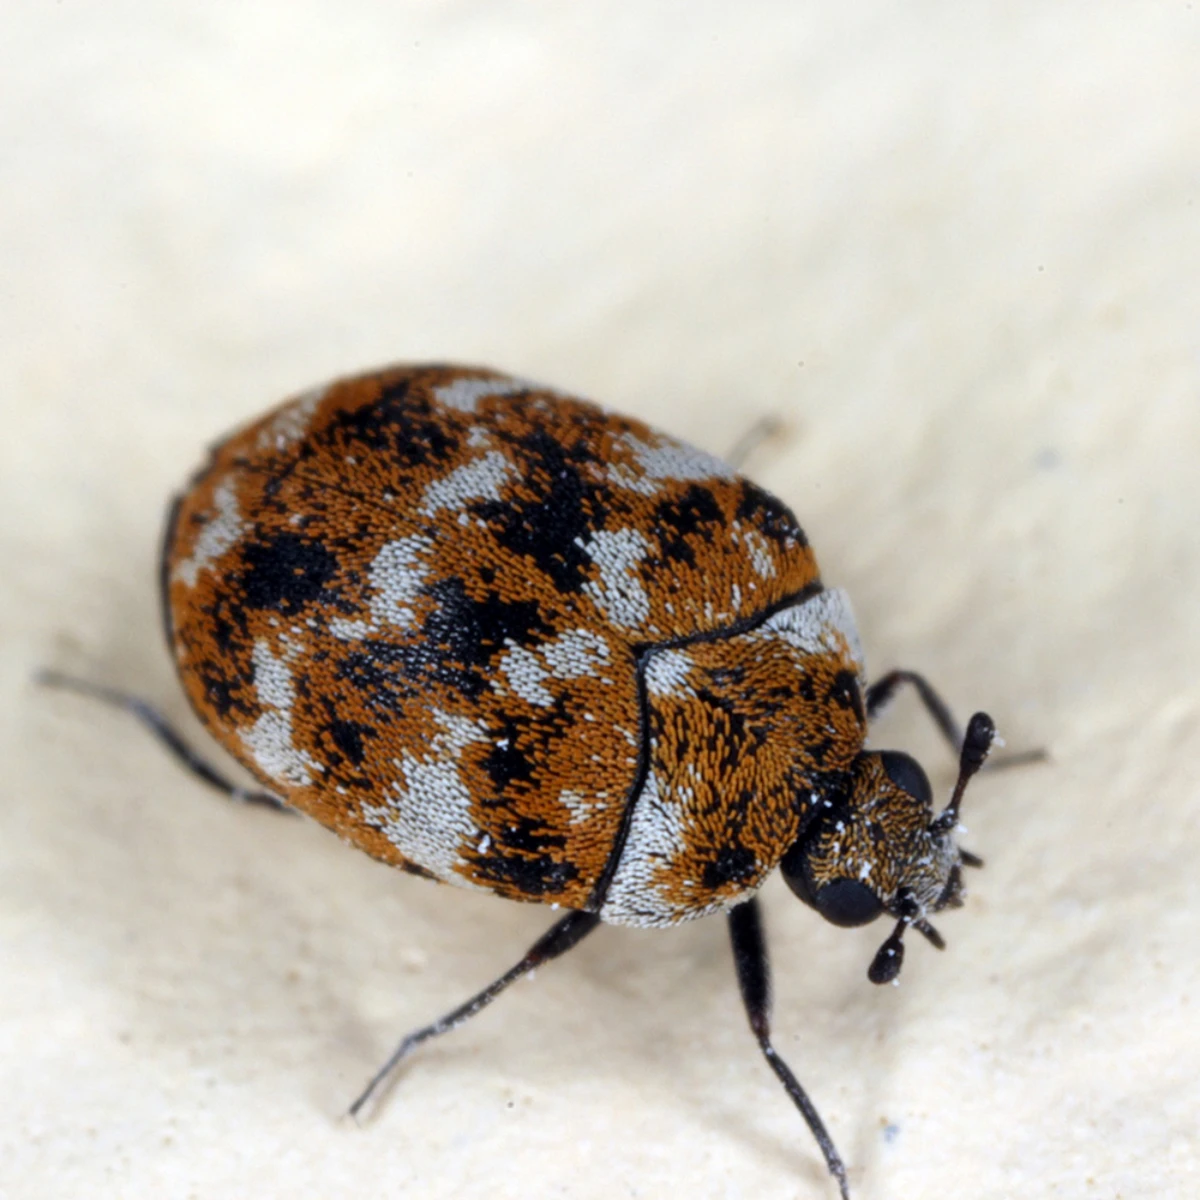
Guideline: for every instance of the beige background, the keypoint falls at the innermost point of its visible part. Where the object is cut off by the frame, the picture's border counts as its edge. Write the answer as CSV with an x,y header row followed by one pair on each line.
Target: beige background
x,y
955,245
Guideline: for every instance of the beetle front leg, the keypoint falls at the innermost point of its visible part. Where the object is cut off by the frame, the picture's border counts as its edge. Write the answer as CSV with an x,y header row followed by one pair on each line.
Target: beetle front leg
x,y
754,979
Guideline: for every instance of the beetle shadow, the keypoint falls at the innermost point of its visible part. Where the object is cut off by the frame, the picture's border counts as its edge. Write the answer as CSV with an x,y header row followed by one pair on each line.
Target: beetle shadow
x,y
194,917
257,953
678,1021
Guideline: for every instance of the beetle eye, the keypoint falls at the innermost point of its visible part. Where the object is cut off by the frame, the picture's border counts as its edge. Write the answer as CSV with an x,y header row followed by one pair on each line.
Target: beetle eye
x,y
848,902
906,773
794,874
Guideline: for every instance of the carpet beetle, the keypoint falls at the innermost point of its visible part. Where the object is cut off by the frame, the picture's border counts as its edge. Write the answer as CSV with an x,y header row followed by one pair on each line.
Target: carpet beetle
x,y
503,638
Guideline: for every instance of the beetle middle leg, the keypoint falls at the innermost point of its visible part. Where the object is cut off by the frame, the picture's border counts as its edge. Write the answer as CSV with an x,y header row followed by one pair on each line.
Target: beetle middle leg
x,y
754,979
558,939
167,734
761,431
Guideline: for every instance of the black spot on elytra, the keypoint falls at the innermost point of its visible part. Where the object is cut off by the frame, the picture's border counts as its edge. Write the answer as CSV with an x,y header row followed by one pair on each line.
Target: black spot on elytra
x,y
285,572
527,876
228,626
454,646
221,692
556,510
817,748
281,474
526,836
693,514
474,630
404,429
347,736
416,869
381,672
521,859
470,632
769,515
507,761
733,864
343,746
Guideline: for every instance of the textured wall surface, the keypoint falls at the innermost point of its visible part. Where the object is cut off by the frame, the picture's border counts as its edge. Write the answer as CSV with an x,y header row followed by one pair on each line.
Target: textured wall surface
x,y
956,247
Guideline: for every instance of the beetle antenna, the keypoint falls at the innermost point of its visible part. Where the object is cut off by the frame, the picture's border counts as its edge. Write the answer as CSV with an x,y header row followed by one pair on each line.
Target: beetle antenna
x,y
981,733
889,958
930,934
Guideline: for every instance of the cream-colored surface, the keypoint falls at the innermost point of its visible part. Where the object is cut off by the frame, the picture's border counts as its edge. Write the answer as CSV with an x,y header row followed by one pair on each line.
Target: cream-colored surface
x,y
955,245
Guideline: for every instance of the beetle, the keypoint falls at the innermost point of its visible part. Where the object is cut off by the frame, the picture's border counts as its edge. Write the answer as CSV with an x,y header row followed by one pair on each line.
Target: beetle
x,y
500,637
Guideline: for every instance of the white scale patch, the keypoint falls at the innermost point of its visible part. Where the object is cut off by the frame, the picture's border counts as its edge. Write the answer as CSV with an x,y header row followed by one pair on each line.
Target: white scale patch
x,y
291,422
427,814
216,537
480,479
582,807
667,672
666,459
757,548
821,625
464,394
397,575
619,592
269,739
657,836
525,675
350,631
578,652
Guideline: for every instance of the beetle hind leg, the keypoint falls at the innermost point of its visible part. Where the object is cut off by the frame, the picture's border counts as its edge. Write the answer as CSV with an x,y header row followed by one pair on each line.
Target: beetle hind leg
x,y
754,979
167,734
558,939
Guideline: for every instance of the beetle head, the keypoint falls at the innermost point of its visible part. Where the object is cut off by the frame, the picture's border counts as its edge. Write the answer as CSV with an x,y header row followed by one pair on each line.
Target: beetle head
x,y
878,847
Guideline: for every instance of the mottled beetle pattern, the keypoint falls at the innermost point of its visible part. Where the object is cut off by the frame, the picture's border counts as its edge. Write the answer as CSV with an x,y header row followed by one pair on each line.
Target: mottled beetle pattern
x,y
503,638
491,633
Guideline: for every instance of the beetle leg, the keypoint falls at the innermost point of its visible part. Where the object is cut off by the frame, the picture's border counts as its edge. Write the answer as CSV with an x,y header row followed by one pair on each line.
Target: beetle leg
x,y
761,431
166,733
880,693
558,939
754,979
